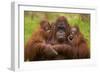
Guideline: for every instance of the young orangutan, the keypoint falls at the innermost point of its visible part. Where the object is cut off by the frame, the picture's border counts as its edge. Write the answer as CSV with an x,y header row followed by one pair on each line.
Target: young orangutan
x,y
79,44
37,47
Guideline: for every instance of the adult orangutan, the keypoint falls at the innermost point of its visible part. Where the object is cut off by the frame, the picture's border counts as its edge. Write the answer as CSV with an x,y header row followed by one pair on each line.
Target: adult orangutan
x,y
60,33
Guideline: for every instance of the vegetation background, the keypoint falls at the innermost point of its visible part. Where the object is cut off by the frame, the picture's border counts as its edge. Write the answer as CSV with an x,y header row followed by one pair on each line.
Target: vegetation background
x,y
32,20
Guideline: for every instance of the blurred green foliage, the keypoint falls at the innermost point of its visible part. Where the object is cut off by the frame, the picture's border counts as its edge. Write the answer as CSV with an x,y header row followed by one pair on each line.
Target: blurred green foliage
x,y
32,20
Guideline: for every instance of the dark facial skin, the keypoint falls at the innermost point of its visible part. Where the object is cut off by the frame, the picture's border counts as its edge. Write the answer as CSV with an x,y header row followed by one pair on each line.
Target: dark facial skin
x,y
61,24
60,36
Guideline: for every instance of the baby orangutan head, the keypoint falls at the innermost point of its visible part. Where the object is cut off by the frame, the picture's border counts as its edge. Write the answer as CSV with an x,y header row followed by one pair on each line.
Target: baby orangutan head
x,y
73,32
